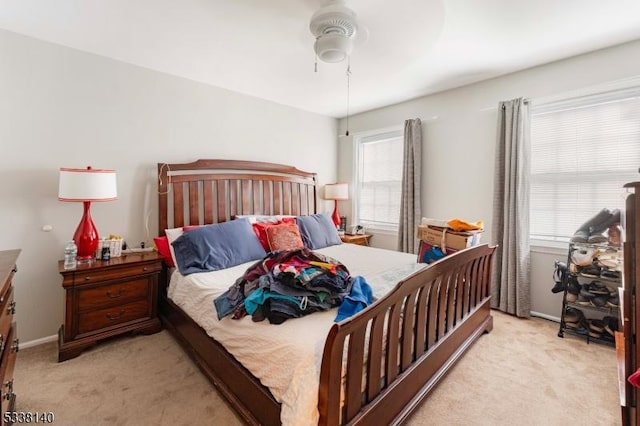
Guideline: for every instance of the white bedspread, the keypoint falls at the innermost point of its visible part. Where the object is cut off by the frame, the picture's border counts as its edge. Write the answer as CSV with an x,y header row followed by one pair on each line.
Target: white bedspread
x,y
286,358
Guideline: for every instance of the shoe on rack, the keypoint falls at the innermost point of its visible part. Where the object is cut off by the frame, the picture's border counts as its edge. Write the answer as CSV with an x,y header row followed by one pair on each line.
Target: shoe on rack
x,y
615,235
573,315
573,286
600,301
596,287
610,259
584,298
601,226
596,325
613,301
559,276
610,275
591,271
597,239
610,325
583,256
582,233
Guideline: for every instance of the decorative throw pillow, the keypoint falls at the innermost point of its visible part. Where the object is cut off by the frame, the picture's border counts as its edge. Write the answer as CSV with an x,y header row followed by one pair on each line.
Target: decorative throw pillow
x,y
215,247
162,245
284,237
318,231
260,228
172,235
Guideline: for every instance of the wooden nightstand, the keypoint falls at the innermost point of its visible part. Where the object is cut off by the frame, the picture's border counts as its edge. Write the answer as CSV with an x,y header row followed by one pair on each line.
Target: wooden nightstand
x,y
108,298
361,240
9,344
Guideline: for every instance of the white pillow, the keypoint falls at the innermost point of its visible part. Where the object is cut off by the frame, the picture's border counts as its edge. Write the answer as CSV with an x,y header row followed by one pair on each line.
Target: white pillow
x,y
262,218
172,235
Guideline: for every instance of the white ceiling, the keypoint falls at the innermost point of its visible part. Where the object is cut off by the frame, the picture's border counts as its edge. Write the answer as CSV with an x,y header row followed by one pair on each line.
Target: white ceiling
x,y
264,48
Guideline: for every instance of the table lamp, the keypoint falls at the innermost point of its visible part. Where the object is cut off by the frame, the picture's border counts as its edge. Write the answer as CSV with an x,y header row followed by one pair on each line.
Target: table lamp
x,y
87,185
336,192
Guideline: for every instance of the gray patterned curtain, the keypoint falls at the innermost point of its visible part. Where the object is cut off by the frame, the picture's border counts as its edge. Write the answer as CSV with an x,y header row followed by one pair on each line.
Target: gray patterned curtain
x,y
410,210
510,228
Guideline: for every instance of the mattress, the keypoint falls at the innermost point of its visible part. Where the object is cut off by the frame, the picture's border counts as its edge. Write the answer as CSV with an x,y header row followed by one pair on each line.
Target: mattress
x,y
286,358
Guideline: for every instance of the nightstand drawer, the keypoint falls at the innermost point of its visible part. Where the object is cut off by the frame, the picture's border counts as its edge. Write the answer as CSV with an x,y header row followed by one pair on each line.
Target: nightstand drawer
x,y
7,309
99,275
118,293
107,317
6,371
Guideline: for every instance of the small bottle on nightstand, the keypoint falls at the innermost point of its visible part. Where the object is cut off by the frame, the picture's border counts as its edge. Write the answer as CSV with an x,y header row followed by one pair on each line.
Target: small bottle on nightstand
x,y
70,253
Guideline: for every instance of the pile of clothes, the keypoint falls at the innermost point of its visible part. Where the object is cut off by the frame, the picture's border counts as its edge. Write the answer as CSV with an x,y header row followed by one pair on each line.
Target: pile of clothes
x,y
290,284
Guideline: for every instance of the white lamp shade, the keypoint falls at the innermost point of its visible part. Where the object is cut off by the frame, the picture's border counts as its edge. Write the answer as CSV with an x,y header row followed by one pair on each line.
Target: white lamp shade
x,y
87,185
336,191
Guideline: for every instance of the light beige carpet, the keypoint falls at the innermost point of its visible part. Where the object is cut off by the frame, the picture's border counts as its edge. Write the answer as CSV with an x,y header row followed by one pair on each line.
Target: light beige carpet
x,y
519,374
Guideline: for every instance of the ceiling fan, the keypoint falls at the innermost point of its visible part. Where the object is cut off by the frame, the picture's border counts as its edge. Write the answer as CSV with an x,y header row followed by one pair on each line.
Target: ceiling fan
x,y
336,28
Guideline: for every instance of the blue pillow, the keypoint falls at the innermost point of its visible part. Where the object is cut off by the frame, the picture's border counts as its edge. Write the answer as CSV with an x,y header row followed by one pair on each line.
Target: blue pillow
x,y
215,247
318,231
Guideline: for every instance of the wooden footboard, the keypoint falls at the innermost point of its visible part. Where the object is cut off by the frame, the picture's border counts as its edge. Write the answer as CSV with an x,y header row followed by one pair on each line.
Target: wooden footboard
x,y
380,364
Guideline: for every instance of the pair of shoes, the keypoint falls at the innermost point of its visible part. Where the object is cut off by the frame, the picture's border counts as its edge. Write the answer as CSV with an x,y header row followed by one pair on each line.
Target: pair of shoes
x,y
596,328
613,301
611,275
583,256
609,259
610,325
591,231
573,315
573,289
585,296
591,271
559,276
615,235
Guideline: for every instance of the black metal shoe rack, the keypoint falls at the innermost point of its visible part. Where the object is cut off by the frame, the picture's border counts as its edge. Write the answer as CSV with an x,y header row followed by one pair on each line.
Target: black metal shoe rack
x,y
584,275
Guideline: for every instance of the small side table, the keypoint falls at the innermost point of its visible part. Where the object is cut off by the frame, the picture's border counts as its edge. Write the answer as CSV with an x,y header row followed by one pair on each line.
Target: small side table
x,y
358,239
108,298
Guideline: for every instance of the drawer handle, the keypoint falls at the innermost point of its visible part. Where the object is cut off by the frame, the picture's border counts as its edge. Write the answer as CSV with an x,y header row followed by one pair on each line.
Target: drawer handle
x,y
16,345
115,317
87,278
144,269
12,308
116,295
9,393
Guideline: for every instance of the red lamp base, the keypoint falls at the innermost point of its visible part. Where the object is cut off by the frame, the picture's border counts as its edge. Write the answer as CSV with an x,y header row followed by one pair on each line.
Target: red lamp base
x,y
86,236
336,216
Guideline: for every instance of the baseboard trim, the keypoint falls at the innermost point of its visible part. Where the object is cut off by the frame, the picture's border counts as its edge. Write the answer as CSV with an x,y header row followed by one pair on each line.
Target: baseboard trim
x,y
38,342
545,316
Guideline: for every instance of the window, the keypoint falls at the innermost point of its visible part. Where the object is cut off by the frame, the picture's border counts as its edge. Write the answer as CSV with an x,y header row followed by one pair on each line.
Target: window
x,y
583,150
379,179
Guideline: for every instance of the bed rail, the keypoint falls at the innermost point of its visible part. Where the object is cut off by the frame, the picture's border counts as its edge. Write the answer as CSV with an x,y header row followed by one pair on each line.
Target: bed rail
x,y
380,364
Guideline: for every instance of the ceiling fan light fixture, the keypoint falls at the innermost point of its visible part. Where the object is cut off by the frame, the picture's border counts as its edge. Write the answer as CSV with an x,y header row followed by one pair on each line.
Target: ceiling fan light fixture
x,y
334,26
333,48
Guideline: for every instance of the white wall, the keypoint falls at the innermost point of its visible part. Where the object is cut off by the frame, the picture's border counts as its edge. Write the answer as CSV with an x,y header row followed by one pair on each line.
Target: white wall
x,y
62,107
459,130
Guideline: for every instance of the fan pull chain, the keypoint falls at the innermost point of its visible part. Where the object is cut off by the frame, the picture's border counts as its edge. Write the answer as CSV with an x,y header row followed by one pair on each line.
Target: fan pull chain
x,y
315,65
348,90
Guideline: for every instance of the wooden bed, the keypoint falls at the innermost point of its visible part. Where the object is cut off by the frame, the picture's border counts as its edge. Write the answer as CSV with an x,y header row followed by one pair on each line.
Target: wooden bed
x,y
394,352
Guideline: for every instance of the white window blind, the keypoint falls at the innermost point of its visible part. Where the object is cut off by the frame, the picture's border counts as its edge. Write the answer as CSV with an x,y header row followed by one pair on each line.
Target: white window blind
x,y
379,180
583,151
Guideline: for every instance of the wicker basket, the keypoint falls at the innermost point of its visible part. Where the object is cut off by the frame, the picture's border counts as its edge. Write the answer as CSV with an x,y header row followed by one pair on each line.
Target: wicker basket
x,y
115,248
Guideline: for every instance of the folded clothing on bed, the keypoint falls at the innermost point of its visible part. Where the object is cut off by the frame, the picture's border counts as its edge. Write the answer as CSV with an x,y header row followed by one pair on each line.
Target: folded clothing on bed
x,y
286,284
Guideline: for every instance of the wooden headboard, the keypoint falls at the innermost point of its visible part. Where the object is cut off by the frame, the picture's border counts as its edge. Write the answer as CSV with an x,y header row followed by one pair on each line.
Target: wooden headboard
x,y
213,191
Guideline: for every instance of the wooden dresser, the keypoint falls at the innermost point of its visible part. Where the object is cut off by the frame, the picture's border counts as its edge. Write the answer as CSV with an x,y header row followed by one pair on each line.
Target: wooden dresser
x,y
626,341
108,298
9,344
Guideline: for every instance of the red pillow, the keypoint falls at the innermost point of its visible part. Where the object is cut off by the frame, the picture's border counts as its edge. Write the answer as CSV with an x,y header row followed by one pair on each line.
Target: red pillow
x,y
285,236
260,228
162,244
